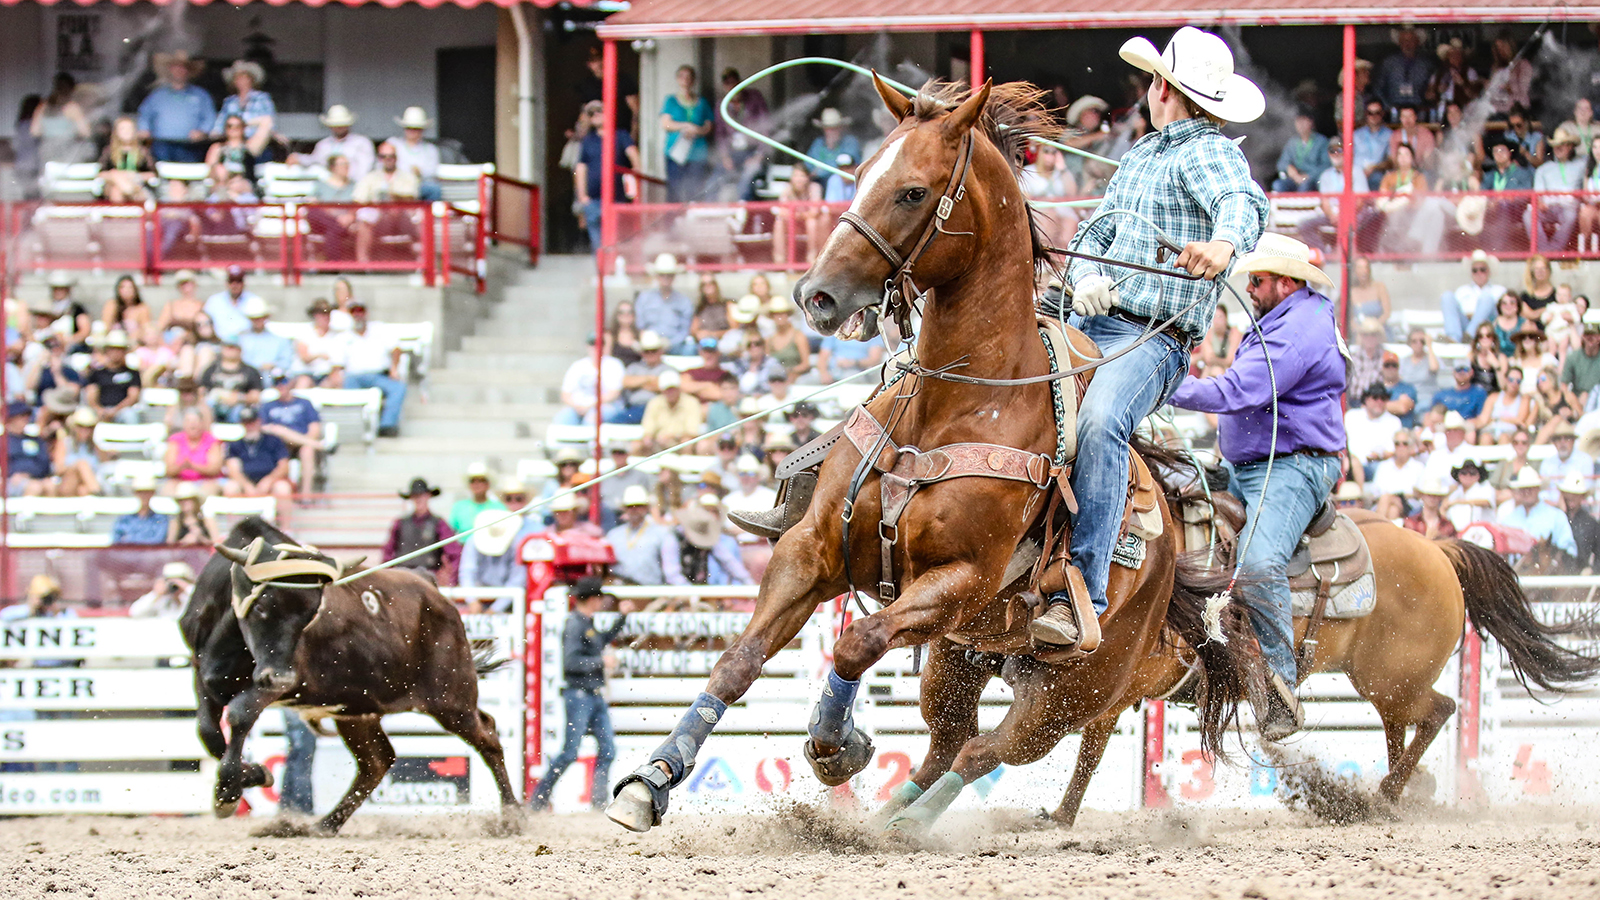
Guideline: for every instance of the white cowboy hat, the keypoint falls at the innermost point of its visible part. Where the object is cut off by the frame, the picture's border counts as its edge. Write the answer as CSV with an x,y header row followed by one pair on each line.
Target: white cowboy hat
x,y
669,379
116,339
1470,213
1574,483
1478,256
1080,105
1526,477
1282,255
635,495
1369,325
257,76
780,306
87,417
564,503
413,117
510,484
1565,135
1434,485
476,470
664,264
651,340
178,569
747,465
338,116
1348,491
1589,441
494,539
256,308
1200,65
831,118
143,481
1444,48
747,310
61,279
1452,419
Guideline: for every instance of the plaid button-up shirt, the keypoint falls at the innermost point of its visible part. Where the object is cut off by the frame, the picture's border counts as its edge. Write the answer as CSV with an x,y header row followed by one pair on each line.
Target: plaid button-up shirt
x,y
1194,183
257,105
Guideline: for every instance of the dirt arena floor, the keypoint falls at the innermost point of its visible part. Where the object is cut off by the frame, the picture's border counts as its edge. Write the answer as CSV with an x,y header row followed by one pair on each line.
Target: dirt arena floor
x,y
1523,854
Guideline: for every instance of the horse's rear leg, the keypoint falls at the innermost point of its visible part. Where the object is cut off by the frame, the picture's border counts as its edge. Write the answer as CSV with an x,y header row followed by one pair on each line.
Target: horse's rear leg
x,y
374,755
1428,728
477,728
952,684
1096,735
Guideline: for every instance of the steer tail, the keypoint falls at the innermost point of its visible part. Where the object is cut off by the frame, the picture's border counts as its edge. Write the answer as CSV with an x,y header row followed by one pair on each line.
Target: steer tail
x,y
483,659
1498,608
1226,667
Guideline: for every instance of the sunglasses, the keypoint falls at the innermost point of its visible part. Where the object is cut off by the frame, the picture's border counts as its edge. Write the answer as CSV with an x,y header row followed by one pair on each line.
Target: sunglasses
x,y
387,156
1256,280
1477,269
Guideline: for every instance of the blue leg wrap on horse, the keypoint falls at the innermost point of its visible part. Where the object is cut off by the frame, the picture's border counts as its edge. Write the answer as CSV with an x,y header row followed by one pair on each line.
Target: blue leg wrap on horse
x,y
679,749
830,718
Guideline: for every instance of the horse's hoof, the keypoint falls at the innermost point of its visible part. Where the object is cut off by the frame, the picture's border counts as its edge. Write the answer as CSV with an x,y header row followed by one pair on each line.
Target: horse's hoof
x,y
633,808
838,768
225,810
908,826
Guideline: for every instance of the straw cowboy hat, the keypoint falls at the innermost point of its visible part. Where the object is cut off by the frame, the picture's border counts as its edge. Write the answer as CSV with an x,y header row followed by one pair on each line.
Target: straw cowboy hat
x,y
414,117
564,503
635,495
1478,256
1282,255
475,471
61,401
1445,47
664,264
510,484
1453,420
338,116
1470,213
1526,477
1434,486
1565,135
257,76
1589,441
85,416
702,522
651,340
1562,429
188,490
1574,483
1200,65
747,310
498,530
831,118
1348,492
1083,104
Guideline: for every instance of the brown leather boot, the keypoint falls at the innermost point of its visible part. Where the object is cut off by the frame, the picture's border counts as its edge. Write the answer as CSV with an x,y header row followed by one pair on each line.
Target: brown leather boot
x,y
1055,626
1284,715
792,505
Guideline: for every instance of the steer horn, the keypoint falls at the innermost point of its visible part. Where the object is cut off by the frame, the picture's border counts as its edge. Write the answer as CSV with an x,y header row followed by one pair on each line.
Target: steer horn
x,y
232,555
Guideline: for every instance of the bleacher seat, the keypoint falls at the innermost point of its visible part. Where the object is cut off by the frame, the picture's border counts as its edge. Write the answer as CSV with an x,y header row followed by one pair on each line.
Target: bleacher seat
x,y
44,516
76,182
415,340
123,472
143,441
458,183
355,411
583,435
182,171
227,432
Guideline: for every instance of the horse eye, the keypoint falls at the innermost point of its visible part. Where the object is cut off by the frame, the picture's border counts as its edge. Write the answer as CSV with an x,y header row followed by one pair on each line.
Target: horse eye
x,y
915,195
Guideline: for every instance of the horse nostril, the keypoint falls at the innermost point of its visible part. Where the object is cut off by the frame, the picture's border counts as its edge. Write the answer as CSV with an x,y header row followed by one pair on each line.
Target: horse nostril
x,y
823,302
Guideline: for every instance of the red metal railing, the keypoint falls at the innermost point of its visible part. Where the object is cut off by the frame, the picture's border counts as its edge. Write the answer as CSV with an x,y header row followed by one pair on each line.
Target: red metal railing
x,y
513,213
189,235
374,237
464,239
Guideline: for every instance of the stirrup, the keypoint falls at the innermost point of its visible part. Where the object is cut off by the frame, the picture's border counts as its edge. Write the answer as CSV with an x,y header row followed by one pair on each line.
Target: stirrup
x,y
792,506
1078,605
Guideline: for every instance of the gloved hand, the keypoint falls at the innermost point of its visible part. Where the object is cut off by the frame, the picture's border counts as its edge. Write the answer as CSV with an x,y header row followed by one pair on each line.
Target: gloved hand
x,y
1094,296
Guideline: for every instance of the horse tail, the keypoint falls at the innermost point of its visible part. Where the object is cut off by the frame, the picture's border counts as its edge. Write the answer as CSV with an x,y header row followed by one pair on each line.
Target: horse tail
x,y
1498,608
1226,667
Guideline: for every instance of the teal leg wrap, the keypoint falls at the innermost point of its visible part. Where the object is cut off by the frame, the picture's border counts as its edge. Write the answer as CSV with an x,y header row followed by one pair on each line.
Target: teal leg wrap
x,y
920,815
900,798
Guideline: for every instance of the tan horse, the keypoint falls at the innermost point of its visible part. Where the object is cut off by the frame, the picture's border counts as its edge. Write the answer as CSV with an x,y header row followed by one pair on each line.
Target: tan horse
x,y
938,209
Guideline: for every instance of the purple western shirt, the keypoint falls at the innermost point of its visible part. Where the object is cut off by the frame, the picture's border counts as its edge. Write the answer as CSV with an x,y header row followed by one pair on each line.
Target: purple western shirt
x,y
1300,338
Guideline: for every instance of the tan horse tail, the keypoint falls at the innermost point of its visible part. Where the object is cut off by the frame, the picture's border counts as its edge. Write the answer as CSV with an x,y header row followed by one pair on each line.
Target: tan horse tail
x,y
1228,668
1498,607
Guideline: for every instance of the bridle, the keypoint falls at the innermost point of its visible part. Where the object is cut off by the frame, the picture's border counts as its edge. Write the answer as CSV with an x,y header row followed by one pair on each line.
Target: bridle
x,y
900,288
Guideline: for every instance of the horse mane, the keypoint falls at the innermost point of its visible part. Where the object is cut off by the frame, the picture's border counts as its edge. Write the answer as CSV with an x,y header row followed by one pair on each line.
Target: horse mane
x,y
1015,114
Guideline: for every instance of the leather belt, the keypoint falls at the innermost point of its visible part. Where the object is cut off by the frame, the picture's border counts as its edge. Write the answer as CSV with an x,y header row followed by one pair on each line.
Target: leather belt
x,y
1146,322
1316,454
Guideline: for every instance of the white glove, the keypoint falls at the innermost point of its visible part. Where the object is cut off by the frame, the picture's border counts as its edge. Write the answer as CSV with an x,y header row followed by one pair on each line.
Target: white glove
x,y
1094,296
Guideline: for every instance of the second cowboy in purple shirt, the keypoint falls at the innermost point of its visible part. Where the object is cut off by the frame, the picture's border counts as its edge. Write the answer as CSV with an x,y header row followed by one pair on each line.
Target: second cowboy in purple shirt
x,y
1297,334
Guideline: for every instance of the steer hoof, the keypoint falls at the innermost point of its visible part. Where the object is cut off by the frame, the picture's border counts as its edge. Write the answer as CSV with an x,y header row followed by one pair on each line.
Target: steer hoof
x,y
633,808
256,775
840,767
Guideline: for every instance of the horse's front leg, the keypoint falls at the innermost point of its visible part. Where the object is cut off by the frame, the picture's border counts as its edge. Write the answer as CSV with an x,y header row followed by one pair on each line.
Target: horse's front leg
x,y
797,581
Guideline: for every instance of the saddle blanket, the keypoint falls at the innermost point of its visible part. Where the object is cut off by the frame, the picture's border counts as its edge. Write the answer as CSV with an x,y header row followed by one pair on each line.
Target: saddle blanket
x,y
1348,601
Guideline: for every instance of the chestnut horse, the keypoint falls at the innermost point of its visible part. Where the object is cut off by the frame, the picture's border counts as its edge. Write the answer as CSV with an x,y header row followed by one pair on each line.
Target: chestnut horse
x,y
939,197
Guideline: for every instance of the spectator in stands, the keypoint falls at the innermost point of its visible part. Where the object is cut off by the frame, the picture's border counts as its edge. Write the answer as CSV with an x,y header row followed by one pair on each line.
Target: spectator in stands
x,y
622,333
372,360
336,226
1454,81
252,106
1369,298
687,119
230,156
175,116
27,456
155,360
583,666
1581,371
188,398
225,308
578,395
586,174
169,596
1320,229
1048,178
1553,405
231,384
801,417
647,553
839,358
66,306
751,493
1506,174
25,147
418,155
612,489
1419,138
76,459
1505,411
192,526
1371,143
1366,358
1472,499
787,344
1479,296
1370,428
421,528
1589,212
319,356
356,149
125,166
1395,479
1531,355
43,601
295,421
838,188
181,310
465,510
712,313
724,410
257,465
1465,397
1403,77
671,417
144,525
710,555
1430,520
1527,511
50,371
665,310
1508,321
112,389
1488,364
639,379
1538,291
1087,115
270,354
833,141
60,124
1456,449
388,183
194,454
703,380
800,197
489,558
756,369
1402,402
1303,157
1575,490
1558,216
565,518
1567,459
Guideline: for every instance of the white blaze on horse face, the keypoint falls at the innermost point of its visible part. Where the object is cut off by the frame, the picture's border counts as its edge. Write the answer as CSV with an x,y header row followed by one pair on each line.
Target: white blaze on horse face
x,y
867,183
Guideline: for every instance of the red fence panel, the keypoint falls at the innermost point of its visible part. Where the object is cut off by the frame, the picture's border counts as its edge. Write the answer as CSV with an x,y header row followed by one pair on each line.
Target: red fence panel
x,y
514,214
378,237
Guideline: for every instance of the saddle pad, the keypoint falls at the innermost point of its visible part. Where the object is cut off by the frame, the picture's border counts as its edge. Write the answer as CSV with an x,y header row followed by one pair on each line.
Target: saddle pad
x,y
1341,547
1351,601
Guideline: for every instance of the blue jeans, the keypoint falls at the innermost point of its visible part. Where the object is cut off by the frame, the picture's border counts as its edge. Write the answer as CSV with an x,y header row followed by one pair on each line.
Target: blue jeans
x,y
394,394
586,714
609,412
295,795
177,151
1122,393
591,221
1296,489
1456,324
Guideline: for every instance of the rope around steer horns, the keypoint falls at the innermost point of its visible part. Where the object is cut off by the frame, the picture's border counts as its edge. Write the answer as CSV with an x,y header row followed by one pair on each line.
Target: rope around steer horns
x,y
265,574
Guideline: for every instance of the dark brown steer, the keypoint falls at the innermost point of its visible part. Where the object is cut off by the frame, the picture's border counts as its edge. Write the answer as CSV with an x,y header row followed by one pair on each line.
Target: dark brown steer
x,y
387,642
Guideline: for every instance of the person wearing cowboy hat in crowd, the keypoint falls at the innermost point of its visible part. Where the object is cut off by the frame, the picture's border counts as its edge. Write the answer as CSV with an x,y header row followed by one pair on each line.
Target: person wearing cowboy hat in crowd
x,y
1472,497
671,417
1349,496
1429,520
341,141
647,553
169,596
1403,76
751,493
664,309
1196,184
417,154
489,558
840,189
1567,460
66,306
1465,397
464,512
1394,479
639,385
1298,333
1558,216
112,389
144,525
833,141
268,353
1528,512
176,115
249,103
709,554
1575,491
1366,357
566,518
1087,114
612,489
419,528
225,308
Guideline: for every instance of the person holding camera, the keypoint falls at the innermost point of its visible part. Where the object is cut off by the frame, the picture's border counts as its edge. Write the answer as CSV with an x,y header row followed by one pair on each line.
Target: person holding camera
x,y
169,596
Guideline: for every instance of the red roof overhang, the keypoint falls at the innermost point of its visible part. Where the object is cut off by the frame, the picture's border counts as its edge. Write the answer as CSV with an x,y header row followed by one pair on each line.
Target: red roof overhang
x,y
429,4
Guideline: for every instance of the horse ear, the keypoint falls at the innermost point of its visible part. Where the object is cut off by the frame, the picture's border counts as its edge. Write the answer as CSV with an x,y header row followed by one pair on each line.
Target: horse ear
x,y
898,103
231,555
963,117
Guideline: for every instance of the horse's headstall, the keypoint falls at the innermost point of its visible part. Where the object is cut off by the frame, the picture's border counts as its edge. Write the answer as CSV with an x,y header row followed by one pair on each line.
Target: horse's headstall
x,y
296,561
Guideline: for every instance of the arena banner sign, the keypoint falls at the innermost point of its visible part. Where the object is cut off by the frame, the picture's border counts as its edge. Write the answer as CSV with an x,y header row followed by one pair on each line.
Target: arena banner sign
x,y
32,793
85,740
431,774
106,638
96,689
